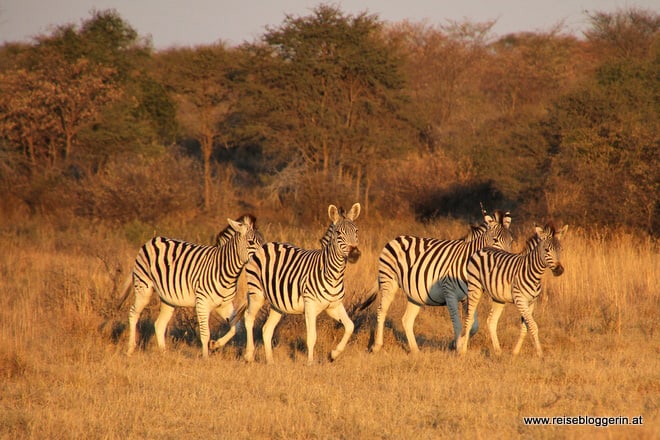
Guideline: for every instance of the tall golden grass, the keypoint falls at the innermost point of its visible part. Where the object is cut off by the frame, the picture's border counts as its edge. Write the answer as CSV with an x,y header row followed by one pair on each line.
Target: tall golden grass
x,y
64,373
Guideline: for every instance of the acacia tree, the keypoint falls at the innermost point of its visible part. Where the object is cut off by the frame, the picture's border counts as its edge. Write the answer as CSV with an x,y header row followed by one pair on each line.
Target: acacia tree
x,y
44,109
201,81
605,134
326,87
73,74
441,66
24,119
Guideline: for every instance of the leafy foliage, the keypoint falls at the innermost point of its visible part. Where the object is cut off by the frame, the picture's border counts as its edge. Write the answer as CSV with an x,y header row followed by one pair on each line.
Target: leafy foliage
x,y
332,108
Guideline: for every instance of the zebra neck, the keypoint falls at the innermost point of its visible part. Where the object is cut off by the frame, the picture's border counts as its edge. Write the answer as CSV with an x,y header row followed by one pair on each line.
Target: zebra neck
x,y
334,264
475,244
228,262
536,263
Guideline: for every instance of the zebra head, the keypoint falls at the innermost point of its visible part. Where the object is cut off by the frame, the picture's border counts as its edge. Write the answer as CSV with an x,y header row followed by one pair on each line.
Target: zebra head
x,y
344,232
549,241
248,239
498,234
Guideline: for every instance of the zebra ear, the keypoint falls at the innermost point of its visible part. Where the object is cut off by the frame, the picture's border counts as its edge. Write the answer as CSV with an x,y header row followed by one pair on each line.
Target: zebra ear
x,y
237,226
507,220
561,232
354,212
539,230
333,213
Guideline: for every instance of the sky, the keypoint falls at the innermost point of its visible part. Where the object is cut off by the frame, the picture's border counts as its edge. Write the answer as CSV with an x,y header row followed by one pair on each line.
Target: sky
x,y
171,23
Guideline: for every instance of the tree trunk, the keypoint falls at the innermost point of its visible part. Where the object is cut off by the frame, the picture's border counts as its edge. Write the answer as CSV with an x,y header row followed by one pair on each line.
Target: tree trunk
x,y
207,149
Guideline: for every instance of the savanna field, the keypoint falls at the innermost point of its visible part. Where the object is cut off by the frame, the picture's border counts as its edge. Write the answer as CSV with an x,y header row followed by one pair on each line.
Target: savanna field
x,y
106,142
65,373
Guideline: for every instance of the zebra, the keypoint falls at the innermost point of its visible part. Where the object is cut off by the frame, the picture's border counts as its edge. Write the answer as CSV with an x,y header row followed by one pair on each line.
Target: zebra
x,y
512,278
301,281
433,272
192,275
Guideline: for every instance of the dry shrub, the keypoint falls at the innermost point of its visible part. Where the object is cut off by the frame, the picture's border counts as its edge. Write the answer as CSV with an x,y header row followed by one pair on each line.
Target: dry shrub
x,y
428,186
303,195
145,189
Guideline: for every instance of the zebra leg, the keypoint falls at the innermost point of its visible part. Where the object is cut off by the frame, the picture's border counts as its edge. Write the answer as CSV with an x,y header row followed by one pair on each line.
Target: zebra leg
x,y
142,297
255,302
475,326
160,326
521,337
268,329
338,313
312,310
493,318
408,321
225,311
388,289
474,295
452,308
203,309
530,325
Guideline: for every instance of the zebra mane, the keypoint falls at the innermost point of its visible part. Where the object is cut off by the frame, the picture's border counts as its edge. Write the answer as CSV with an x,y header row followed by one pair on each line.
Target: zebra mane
x,y
530,244
549,230
475,232
550,227
226,234
328,234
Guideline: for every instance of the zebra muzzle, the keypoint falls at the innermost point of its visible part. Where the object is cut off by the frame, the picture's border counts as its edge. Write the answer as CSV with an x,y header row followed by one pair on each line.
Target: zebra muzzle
x,y
354,255
558,270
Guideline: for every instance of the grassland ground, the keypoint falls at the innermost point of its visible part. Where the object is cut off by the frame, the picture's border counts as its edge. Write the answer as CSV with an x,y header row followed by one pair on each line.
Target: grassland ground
x,y
65,375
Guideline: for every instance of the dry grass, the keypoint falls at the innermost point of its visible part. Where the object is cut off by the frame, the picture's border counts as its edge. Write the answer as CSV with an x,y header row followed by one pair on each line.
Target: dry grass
x,y
64,374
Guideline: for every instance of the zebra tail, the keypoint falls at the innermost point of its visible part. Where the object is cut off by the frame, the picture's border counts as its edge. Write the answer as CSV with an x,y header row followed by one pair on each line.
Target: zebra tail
x,y
370,299
238,315
127,291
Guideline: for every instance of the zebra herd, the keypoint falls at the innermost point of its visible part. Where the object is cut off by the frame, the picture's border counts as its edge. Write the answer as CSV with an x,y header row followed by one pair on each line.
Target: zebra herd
x,y
292,280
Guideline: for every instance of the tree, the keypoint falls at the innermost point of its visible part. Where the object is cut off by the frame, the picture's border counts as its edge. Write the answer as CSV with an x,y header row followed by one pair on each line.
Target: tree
x,y
605,134
441,67
50,105
200,80
625,34
328,89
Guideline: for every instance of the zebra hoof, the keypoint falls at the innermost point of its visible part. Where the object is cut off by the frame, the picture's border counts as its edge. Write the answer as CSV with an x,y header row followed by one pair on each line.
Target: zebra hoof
x,y
334,354
376,348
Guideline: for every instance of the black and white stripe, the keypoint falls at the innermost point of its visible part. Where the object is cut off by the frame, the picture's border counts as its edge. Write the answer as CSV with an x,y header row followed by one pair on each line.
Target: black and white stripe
x,y
301,281
512,278
191,275
432,272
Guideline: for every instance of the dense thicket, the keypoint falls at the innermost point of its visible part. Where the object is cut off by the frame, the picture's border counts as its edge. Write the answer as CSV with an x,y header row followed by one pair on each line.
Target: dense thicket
x,y
331,108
